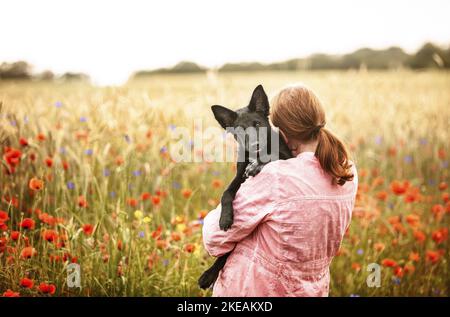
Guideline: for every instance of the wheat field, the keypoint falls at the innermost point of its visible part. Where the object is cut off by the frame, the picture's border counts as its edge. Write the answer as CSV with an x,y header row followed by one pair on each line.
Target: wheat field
x,y
87,178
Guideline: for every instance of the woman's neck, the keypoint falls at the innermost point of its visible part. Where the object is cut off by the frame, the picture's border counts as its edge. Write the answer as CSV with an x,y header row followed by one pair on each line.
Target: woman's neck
x,y
308,147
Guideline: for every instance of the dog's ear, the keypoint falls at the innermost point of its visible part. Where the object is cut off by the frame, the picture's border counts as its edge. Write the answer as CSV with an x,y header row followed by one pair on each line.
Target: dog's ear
x,y
259,101
224,116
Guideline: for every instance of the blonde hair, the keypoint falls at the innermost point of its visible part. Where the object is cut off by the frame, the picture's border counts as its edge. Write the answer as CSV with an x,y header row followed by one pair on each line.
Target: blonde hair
x,y
298,112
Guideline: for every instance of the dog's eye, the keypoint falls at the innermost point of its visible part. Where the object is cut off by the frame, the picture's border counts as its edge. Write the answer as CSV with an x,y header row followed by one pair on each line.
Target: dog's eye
x,y
256,123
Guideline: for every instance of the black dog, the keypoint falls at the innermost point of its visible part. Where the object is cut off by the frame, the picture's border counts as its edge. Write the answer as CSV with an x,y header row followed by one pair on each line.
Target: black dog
x,y
250,159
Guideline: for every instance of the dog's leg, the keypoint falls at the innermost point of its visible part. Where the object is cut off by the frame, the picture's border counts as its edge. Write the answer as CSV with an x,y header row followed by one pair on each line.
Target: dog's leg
x,y
226,215
210,275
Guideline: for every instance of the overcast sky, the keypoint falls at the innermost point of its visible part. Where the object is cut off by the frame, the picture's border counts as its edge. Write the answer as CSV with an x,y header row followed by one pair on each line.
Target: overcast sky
x,y
111,38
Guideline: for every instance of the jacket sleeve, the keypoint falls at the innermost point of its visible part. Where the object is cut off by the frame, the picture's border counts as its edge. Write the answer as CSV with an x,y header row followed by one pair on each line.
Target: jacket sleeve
x,y
252,205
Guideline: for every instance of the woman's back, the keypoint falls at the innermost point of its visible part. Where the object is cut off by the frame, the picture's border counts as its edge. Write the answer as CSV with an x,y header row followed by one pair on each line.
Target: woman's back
x,y
289,223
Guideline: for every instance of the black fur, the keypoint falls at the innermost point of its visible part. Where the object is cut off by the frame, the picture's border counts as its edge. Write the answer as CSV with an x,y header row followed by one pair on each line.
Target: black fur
x,y
256,115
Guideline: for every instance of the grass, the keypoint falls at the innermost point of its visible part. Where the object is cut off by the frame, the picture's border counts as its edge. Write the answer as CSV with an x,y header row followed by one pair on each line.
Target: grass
x,y
109,147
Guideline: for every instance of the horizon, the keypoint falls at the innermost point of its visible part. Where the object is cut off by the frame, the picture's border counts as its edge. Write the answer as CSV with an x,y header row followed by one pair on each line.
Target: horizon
x,y
76,36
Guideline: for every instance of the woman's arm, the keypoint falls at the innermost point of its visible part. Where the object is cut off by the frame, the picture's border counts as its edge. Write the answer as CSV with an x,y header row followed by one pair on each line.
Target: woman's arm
x,y
252,206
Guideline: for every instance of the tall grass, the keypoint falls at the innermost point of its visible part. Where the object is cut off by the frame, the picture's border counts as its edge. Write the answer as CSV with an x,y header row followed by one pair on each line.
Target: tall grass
x,y
113,143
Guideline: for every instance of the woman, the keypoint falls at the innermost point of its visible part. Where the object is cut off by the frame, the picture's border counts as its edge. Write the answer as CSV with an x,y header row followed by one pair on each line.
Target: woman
x,y
290,219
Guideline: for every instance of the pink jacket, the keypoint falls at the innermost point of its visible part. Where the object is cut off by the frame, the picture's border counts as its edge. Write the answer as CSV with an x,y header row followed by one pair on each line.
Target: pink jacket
x,y
289,222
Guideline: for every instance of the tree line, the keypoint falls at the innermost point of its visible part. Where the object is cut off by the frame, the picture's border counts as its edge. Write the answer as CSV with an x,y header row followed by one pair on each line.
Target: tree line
x,y
428,56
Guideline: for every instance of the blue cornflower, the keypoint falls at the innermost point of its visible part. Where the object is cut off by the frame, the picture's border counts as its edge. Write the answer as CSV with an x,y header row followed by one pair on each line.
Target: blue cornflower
x,y
137,173
176,185
396,280
378,140
408,159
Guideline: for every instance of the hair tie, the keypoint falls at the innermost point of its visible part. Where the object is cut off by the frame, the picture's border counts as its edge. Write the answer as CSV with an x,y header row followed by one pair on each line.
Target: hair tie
x,y
318,127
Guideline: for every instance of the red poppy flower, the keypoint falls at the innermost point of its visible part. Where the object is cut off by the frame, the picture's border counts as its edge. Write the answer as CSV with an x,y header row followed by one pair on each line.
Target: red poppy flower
x,y
419,236
438,210
156,200
399,272
36,184
443,186
146,196
28,252
440,235
161,193
15,235
119,160
12,157
356,266
414,256
413,220
3,227
88,229
3,216
433,256
162,244
49,162
47,288
186,193
445,197
382,195
175,236
23,142
190,247
119,245
10,293
202,214
392,151
26,282
41,137
65,165
55,258
217,183
399,188
412,195
105,258
132,202
379,246
27,223
50,235
82,202
157,233
389,263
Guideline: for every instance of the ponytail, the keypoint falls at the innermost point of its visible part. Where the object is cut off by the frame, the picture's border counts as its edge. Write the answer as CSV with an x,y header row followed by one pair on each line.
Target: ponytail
x,y
333,157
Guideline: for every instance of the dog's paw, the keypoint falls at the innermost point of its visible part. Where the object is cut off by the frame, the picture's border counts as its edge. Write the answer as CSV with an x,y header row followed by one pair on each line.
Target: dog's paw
x,y
226,219
253,169
207,279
